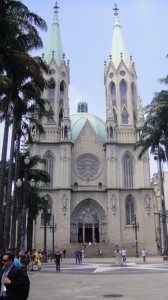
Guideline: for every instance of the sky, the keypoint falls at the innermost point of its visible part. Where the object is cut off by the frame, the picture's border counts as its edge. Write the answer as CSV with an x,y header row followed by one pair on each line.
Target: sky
x,y
86,28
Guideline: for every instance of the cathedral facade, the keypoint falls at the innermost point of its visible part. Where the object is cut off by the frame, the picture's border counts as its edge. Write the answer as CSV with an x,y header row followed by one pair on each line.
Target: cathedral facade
x,y
99,188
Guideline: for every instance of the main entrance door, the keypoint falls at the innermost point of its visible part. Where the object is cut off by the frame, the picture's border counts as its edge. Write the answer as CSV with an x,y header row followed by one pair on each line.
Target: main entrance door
x,y
88,222
88,232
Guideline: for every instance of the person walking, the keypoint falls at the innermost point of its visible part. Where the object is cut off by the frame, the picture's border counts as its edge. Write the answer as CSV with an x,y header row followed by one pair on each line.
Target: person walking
x,y
124,255
78,256
143,253
57,260
12,280
64,253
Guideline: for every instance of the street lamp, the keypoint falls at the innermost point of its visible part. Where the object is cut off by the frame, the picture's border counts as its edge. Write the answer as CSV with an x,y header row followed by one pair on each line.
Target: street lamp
x,y
136,228
46,215
163,209
53,228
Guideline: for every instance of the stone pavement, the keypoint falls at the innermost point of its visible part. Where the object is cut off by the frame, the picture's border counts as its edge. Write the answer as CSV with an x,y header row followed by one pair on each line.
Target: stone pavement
x,y
126,285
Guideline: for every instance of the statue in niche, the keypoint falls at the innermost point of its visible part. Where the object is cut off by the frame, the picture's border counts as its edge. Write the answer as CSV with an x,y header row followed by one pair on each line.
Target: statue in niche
x,y
147,201
113,202
64,204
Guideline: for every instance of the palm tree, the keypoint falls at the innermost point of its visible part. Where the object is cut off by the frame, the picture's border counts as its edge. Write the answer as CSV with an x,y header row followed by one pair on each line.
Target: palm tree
x,y
18,35
154,136
27,108
33,197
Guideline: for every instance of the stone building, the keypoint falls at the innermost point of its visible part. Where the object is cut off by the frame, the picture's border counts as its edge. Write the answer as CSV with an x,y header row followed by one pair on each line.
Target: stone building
x,y
98,184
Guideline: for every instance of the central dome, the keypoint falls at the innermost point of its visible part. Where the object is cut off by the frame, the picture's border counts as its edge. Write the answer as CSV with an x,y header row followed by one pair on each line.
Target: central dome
x,y
78,121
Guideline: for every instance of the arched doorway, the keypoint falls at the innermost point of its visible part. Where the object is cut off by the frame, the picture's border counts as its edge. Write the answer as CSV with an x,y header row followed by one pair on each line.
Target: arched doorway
x,y
88,222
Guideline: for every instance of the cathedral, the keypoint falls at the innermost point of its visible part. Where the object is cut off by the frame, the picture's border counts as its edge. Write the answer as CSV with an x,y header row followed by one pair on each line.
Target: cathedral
x,y
99,190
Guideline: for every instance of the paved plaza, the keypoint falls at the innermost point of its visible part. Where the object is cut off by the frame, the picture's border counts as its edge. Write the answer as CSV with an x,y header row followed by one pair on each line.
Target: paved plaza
x,y
101,278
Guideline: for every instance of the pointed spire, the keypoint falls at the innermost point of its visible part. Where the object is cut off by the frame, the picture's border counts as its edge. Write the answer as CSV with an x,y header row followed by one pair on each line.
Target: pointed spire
x,y
54,45
118,49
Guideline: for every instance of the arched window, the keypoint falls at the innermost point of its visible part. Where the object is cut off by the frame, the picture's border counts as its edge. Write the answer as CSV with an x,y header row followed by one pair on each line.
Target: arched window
x,y
49,166
133,93
115,115
123,93
51,116
129,209
113,94
46,211
61,101
124,116
62,88
51,91
128,170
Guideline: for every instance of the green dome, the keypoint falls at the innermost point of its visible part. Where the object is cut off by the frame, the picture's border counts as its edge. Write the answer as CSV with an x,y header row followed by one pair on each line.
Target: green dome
x,y
78,120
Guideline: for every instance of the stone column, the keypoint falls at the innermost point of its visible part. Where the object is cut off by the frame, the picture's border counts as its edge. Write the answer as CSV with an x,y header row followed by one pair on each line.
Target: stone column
x,y
93,232
83,232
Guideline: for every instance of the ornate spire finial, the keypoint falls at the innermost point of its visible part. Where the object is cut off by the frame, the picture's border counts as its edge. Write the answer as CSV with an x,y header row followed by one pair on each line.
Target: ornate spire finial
x,y
115,10
56,7
121,55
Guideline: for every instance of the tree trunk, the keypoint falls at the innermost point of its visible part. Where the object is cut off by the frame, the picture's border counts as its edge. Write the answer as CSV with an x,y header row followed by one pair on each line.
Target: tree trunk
x,y
15,195
2,178
29,233
9,188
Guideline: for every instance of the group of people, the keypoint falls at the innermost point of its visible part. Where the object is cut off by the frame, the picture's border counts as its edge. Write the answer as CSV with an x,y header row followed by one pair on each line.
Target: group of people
x,y
123,253
79,255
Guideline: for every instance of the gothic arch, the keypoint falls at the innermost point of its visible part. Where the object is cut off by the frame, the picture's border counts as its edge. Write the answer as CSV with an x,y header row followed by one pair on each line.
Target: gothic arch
x,y
88,222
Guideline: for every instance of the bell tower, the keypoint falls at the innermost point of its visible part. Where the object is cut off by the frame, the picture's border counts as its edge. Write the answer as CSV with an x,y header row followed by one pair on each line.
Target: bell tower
x,y
59,77
120,81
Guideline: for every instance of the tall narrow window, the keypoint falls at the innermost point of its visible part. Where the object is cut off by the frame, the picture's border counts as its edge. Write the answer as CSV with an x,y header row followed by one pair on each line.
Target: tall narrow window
x,y
115,115
113,94
61,101
51,116
133,92
124,116
51,91
49,166
123,93
62,88
128,170
129,208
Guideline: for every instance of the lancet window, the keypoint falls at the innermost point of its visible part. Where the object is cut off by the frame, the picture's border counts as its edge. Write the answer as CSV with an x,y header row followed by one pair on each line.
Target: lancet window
x,y
49,166
123,93
51,91
129,209
113,94
128,170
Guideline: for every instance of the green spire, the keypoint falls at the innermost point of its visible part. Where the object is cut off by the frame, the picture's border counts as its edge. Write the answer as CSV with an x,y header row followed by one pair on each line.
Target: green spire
x,y
118,49
54,45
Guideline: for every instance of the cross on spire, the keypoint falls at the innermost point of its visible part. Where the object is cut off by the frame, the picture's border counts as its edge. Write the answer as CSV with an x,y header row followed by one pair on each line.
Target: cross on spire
x,y
56,7
115,10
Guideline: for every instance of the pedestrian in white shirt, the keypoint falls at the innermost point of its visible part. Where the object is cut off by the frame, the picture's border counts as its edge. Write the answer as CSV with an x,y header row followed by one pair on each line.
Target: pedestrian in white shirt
x,y
124,254
143,253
